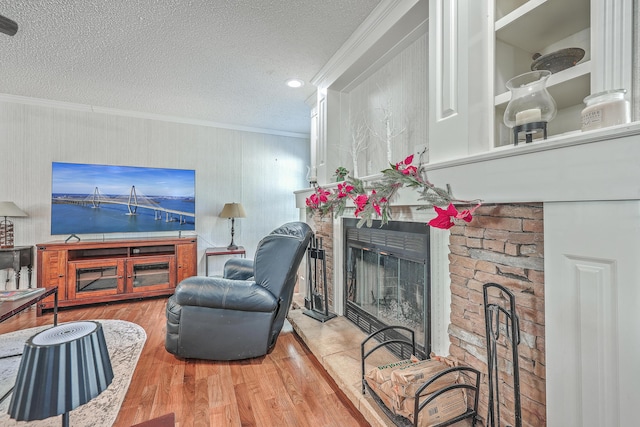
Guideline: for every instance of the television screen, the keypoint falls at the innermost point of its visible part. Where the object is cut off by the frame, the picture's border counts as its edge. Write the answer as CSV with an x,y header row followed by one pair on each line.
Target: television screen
x,y
88,199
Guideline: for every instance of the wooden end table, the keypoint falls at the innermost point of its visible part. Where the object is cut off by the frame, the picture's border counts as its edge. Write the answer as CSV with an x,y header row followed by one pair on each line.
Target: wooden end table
x,y
221,251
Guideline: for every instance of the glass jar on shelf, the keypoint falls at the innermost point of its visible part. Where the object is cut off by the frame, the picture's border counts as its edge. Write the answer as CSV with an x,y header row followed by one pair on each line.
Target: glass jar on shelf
x,y
604,109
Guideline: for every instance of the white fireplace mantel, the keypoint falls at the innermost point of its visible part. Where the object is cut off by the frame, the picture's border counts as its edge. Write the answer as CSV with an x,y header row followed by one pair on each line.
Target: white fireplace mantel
x,y
581,166
590,185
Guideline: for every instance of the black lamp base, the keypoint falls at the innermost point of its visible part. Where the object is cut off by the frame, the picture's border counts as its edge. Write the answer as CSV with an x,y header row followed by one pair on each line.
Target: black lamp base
x,y
232,246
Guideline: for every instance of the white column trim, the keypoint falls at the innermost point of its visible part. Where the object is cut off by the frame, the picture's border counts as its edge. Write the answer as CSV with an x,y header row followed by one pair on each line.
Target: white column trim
x,y
612,45
440,291
338,263
446,58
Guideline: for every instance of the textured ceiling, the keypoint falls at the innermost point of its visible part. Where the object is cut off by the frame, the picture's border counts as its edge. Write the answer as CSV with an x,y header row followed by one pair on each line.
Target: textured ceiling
x,y
223,61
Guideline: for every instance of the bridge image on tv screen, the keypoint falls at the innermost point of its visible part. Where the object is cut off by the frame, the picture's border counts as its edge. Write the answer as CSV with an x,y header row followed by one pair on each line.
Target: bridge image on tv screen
x,y
90,199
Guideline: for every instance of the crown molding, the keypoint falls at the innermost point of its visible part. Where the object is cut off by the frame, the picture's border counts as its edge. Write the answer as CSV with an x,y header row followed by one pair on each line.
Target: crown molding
x,y
41,102
379,32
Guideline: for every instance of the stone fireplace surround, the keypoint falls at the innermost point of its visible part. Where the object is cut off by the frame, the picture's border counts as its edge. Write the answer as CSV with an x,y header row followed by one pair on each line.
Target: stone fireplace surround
x,y
504,244
576,368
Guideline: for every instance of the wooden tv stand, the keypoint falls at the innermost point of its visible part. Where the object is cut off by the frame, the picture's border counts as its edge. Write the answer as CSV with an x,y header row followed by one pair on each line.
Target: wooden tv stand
x,y
89,272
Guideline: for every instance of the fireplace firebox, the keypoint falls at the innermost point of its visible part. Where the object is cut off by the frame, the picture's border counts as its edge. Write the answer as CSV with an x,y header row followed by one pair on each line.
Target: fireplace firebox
x,y
387,278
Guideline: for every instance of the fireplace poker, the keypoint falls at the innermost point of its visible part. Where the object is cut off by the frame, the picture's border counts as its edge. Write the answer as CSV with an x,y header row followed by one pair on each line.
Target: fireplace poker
x,y
493,313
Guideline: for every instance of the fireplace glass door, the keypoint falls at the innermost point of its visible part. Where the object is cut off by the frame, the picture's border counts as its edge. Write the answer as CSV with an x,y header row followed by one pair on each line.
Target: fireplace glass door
x,y
390,289
386,273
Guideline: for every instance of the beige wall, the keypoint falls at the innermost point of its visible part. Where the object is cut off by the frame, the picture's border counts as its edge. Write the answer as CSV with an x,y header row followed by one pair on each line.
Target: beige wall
x,y
259,170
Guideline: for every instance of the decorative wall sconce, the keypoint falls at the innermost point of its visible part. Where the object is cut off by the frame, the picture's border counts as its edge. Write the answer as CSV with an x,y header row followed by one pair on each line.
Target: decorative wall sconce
x,y
531,106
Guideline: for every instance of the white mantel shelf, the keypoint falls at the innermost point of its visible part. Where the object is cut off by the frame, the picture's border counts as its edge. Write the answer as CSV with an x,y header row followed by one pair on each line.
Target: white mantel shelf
x,y
580,166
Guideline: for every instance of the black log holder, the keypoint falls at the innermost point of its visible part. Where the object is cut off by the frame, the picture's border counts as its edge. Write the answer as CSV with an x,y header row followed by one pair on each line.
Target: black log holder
x,y
317,302
403,339
497,313
529,129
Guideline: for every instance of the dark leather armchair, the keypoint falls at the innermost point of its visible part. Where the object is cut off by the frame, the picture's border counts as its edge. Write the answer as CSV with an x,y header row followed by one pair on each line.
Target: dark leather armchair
x,y
239,315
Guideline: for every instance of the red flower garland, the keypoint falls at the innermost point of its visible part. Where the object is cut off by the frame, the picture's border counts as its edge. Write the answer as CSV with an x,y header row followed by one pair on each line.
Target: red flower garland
x,y
370,204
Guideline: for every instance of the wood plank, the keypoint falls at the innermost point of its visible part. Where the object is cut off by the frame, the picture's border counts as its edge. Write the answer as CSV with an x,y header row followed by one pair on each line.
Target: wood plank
x,y
287,387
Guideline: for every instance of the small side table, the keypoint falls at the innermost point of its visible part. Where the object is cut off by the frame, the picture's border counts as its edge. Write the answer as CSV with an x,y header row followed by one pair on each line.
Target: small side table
x,y
16,258
221,251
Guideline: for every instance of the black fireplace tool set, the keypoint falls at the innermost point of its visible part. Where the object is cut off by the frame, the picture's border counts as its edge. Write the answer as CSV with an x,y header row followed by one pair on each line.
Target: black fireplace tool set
x,y
317,301
501,311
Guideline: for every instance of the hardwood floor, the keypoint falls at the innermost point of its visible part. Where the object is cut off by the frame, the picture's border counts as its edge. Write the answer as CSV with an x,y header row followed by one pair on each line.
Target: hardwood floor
x,y
285,388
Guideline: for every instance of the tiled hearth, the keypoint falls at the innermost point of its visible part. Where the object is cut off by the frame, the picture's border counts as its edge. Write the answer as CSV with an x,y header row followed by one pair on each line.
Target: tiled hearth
x,y
336,345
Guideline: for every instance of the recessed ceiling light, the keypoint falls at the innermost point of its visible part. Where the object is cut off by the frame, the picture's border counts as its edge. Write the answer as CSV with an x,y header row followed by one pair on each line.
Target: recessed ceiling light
x,y
295,83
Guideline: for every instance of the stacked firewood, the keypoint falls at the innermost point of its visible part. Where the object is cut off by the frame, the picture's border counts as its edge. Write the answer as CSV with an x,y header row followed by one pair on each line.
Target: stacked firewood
x,y
397,384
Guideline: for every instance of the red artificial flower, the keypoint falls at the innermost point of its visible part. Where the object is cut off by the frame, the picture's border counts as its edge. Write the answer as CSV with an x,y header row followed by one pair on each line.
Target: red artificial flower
x,y
445,217
443,220
323,194
312,201
344,189
377,208
467,214
410,170
405,166
320,196
374,203
360,201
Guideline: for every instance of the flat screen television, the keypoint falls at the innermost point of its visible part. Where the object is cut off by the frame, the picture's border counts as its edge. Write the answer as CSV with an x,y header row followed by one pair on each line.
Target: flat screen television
x,y
90,199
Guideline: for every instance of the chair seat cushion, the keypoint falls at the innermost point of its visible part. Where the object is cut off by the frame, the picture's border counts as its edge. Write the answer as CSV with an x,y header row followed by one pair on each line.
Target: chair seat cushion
x,y
217,292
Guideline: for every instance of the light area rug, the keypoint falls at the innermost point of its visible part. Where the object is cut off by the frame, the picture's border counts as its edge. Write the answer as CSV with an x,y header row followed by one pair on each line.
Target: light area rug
x,y
125,341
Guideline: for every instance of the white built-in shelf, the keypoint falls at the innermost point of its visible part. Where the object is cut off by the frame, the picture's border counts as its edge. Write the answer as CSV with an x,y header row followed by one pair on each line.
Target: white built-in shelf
x,y
539,23
567,87
525,27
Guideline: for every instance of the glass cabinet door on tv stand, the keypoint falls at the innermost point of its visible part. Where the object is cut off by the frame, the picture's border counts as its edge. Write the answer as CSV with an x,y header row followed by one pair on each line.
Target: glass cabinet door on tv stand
x,y
146,274
96,278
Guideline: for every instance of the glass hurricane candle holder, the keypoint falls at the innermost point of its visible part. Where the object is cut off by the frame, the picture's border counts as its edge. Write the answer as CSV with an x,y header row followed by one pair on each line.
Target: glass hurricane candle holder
x,y
531,106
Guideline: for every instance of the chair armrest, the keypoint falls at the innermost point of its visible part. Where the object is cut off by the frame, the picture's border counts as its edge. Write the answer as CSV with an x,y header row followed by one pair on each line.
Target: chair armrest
x,y
238,269
218,292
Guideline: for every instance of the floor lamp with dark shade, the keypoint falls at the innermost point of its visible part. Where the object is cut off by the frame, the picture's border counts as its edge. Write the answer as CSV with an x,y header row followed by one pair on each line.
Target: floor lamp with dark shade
x,y
62,367
233,211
